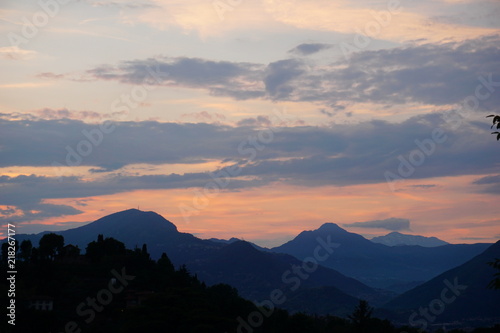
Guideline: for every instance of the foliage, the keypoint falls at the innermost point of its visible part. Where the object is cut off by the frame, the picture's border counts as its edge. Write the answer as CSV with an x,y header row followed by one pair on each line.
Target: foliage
x,y
495,283
496,124
361,317
50,245
26,248
110,247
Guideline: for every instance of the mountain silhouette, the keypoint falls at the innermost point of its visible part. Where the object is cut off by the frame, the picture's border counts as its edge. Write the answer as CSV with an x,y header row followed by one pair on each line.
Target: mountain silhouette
x,y
395,268
256,273
253,272
461,292
396,239
134,228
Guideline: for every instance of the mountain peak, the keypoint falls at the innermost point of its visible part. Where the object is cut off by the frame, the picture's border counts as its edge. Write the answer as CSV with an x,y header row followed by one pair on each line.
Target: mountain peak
x,y
397,239
331,227
136,217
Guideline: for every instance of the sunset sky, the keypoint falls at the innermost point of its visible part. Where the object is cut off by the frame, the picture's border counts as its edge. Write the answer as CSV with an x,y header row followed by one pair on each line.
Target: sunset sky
x,y
252,119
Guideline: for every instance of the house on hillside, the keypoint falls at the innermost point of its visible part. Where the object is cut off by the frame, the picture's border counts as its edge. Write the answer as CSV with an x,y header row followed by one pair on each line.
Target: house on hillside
x,y
41,303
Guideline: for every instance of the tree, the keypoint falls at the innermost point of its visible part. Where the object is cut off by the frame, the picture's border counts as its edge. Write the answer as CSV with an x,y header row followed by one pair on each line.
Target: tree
x,y
26,248
145,252
496,123
495,283
361,316
50,245
5,251
165,264
104,247
35,255
70,251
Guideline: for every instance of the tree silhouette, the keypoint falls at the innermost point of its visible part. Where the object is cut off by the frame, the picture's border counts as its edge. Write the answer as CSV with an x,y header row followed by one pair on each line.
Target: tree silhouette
x,y
70,251
361,316
104,247
26,248
50,245
495,283
145,252
165,264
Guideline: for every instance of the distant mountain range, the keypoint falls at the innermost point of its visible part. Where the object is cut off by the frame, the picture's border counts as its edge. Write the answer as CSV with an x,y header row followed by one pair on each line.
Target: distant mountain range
x,y
320,271
397,268
234,239
459,294
398,239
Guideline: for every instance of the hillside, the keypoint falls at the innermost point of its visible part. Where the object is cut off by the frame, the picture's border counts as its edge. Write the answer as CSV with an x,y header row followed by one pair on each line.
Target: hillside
x,y
462,292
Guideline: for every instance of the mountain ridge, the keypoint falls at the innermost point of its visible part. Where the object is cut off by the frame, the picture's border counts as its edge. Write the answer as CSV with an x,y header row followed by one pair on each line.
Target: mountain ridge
x,y
462,291
377,265
398,239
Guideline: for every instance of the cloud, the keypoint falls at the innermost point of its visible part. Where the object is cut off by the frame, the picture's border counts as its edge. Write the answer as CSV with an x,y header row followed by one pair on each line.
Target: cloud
x,y
238,80
428,74
495,179
309,48
24,85
16,53
28,193
476,238
36,210
300,155
423,186
123,4
49,75
255,122
207,19
204,116
279,76
400,22
48,113
308,155
406,22
43,142
35,228
327,113
489,184
393,224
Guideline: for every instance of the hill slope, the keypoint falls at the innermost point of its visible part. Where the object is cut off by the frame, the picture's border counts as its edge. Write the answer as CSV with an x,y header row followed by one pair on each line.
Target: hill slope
x,y
256,274
459,294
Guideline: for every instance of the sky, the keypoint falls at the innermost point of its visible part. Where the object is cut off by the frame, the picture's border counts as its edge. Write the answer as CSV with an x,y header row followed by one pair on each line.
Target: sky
x,y
252,119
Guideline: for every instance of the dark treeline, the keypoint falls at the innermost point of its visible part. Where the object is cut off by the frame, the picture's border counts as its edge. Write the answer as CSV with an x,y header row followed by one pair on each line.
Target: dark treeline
x,y
114,289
